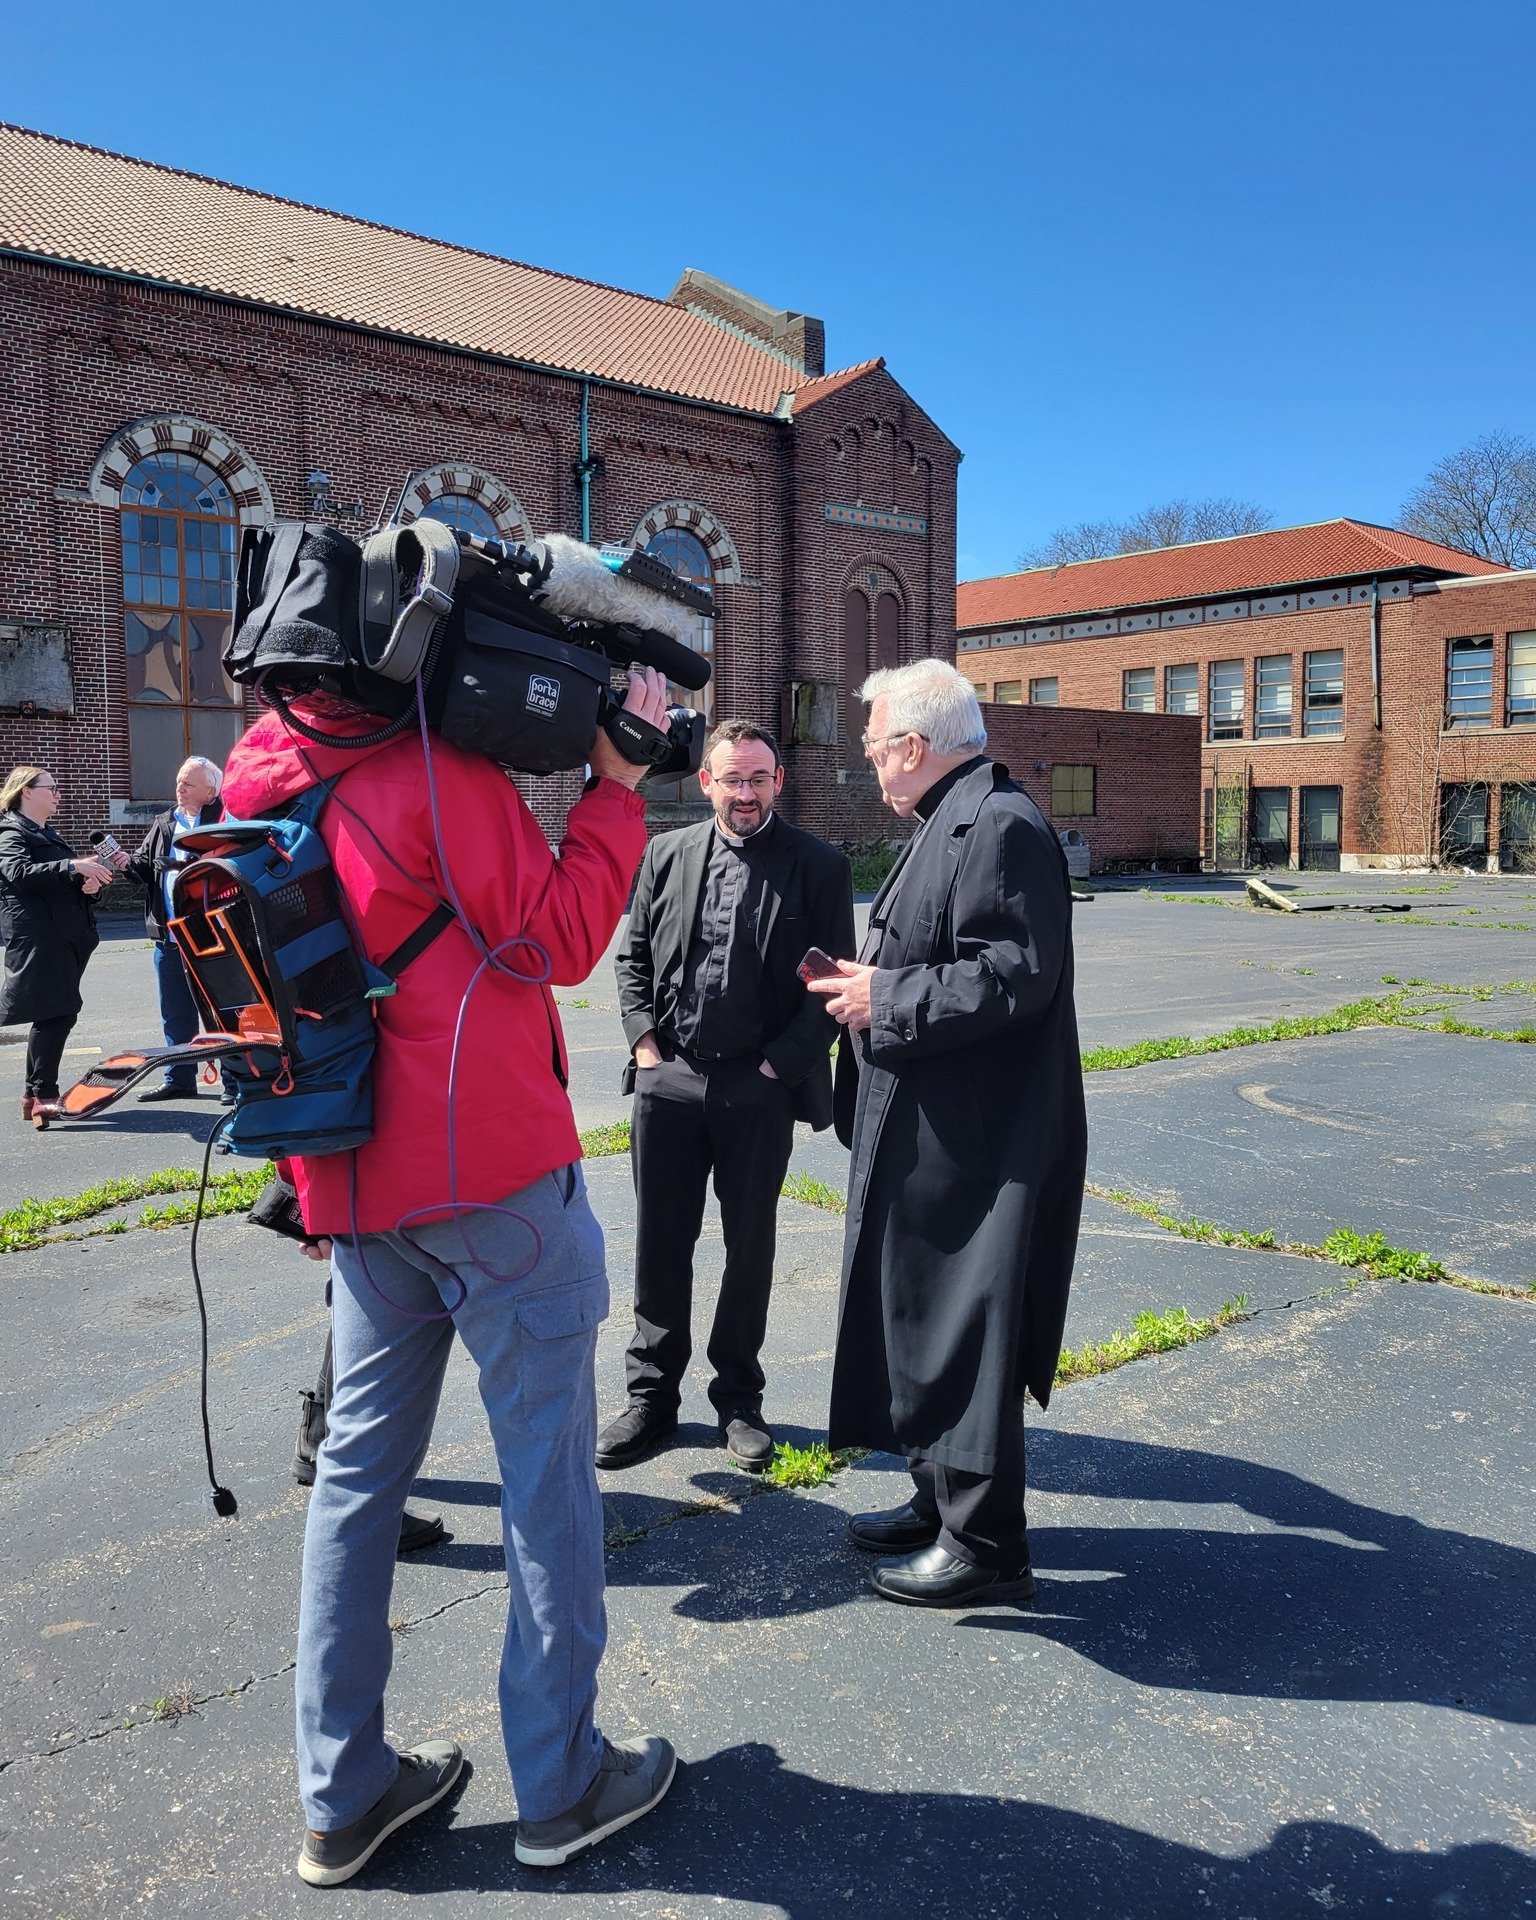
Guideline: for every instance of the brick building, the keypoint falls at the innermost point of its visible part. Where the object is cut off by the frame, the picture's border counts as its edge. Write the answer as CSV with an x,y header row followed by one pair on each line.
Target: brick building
x,y
1365,698
1128,782
184,357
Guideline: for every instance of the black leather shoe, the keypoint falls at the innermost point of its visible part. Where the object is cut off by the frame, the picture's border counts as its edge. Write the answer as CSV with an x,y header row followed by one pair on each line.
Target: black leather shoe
x,y
747,1442
935,1578
418,1530
896,1530
169,1093
639,1428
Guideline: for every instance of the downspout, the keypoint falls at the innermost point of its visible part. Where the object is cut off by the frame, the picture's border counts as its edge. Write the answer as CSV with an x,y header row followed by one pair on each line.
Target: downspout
x,y
584,463
1376,653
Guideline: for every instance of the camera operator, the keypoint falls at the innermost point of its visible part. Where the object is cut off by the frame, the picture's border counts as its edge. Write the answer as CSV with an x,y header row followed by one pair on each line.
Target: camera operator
x,y
518,1270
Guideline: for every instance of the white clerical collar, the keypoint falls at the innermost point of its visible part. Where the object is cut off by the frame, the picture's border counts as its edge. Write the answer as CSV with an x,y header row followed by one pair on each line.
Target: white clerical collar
x,y
737,840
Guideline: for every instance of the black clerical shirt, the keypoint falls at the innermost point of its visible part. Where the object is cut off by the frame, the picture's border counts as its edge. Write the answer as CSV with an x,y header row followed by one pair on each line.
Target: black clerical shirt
x,y
719,999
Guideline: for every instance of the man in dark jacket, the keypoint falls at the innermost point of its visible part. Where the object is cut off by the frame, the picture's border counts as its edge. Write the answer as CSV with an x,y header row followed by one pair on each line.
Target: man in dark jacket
x,y
960,1092
197,804
728,1052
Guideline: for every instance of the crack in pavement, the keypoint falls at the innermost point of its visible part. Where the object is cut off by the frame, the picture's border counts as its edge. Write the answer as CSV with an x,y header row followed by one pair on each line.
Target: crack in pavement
x,y
706,1504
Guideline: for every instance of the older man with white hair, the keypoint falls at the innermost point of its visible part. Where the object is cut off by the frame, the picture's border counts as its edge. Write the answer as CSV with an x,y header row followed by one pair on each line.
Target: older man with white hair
x,y
197,804
960,1092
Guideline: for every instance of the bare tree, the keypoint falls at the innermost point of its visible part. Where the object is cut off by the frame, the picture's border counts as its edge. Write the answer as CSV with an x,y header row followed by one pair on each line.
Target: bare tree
x,y
1481,500
1174,524
1088,540
1181,521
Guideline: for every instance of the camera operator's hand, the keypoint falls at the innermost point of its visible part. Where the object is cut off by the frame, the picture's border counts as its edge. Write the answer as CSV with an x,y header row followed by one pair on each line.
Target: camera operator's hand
x,y
317,1250
647,699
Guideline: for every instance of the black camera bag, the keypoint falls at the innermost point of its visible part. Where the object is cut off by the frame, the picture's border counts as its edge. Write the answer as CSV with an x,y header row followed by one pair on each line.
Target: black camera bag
x,y
509,687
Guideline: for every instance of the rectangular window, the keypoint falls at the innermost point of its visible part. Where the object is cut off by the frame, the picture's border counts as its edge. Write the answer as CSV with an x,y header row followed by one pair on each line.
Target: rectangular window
x,y
1072,792
1044,693
1009,693
1269,834
1323,708
1521,705
1226,704
1139,693
1181,689
1272,697
1469,682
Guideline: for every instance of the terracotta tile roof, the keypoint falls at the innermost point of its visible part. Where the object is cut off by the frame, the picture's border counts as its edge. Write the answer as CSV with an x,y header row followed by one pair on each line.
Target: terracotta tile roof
x,y
1249,563
76,203
809,392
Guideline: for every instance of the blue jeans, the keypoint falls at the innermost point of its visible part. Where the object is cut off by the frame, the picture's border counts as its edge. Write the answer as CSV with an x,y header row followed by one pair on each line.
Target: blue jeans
x,y
178,1011
534,1340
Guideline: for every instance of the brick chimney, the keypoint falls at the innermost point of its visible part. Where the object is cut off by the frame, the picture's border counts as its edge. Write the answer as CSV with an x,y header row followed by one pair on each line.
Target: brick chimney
x,y
796,337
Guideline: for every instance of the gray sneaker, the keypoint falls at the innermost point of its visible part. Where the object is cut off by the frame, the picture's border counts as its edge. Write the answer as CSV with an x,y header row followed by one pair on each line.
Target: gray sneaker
x,y
632,1777
426,1773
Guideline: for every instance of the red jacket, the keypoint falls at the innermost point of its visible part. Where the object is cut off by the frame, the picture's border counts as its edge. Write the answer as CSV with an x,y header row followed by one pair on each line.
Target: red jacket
x,y
514,1120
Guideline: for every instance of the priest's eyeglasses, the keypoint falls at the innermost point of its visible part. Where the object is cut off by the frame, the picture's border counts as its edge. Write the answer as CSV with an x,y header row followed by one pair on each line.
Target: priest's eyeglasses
x,y
738,783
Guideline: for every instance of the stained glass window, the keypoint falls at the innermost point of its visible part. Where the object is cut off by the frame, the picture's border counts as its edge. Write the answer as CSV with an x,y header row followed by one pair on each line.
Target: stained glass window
x,y
178,525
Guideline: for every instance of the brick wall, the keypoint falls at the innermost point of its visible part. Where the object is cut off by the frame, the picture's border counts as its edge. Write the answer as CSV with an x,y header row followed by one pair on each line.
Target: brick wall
x,y
87,356
1390,776
1147,785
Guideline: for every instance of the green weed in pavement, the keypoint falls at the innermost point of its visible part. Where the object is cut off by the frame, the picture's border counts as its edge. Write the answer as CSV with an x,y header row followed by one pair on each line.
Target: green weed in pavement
x,y
808,1466
1149,1333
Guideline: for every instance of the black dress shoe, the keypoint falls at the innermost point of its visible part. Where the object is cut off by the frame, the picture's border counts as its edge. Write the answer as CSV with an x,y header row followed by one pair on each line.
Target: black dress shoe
x,y
169,1093
639,1428
418,1530
747,1442
896,1530
935,1578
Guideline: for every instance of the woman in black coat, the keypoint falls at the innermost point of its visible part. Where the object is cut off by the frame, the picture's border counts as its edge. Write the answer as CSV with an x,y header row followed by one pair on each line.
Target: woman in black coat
x,y
49,928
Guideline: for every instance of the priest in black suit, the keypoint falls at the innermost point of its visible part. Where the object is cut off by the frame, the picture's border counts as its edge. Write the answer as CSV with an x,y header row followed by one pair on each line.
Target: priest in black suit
x,y
727,1052
960,1093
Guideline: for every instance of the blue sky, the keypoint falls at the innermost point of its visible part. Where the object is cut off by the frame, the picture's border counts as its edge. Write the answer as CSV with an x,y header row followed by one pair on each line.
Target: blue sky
x,y
1119,250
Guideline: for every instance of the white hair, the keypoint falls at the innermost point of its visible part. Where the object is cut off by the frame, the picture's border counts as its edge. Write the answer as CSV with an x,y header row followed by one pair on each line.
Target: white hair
x,y
207,768
932,698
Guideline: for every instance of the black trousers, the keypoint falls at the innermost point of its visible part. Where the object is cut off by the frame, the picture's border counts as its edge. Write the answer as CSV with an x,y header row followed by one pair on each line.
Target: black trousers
x,y
980,1516
691,1120
45,1052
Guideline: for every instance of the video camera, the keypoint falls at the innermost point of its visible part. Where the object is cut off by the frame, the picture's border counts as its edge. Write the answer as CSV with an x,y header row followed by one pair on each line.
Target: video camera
x,y
509,650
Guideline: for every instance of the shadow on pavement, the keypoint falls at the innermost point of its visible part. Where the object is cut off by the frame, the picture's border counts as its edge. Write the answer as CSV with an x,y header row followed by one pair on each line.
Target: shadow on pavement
x,y
1330,1600
742,1827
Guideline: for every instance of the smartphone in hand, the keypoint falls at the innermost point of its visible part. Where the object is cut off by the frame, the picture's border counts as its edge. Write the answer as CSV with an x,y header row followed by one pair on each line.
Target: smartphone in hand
x,y
816,965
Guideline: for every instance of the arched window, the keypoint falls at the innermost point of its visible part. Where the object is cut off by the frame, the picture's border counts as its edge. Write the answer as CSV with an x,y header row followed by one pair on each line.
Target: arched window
x,y
685,553
887,631
460,511
855,671
178,524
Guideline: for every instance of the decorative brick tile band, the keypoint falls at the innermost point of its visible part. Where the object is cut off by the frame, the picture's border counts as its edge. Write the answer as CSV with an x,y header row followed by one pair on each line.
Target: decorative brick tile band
x,y
912,523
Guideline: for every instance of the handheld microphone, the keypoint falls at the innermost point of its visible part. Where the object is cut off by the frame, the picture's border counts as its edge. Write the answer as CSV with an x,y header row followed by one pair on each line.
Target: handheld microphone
x,y
105,843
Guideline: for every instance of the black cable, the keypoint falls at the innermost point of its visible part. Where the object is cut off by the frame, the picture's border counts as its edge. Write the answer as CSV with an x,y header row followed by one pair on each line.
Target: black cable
x,y
224,1502
270,697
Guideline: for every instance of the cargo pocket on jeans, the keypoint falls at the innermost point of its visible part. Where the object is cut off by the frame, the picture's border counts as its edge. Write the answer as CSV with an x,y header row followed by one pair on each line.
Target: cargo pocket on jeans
x,y
558,1312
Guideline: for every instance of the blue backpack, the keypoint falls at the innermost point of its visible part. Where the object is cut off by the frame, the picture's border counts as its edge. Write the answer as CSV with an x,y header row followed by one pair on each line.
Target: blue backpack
x,y
258,919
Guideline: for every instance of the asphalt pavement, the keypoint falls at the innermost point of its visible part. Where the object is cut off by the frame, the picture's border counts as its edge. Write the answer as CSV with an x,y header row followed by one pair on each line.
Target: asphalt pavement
x,y
1280,1657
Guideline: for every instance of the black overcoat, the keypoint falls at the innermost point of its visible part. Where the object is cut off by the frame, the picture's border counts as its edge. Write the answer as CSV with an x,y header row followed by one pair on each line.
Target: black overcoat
x,y
963,1108
807,902
47,923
